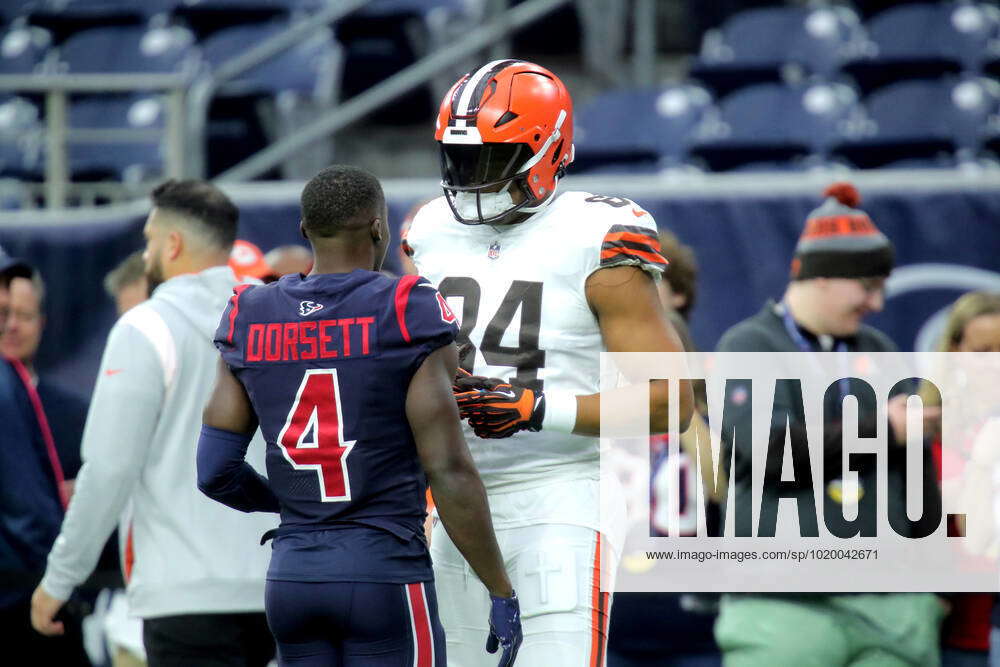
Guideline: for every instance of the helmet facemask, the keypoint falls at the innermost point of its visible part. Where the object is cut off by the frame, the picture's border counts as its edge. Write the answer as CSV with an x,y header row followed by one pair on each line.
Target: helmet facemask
x,y
482,181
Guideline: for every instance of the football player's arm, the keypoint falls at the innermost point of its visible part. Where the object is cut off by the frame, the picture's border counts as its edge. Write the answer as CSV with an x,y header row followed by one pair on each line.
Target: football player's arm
x,y
229,423
632,319
458,491
123,414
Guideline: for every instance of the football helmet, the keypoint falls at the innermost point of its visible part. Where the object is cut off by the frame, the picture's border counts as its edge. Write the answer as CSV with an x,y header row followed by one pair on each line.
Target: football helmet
x,y
506,137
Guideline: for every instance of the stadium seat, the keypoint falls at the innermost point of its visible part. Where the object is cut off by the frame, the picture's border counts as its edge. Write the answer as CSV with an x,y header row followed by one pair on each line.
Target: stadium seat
x,y
312,68
102,9
21,139
767,44
389,35
126,49
65,18
774,123
301,83
206,17
10,10
411,7
923,121
118,160
23,49
924,41
638,128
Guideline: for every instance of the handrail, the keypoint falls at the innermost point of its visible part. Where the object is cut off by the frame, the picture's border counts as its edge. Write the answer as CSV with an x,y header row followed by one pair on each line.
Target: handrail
x,y
204,88
731,186
58,86
92,83
391,88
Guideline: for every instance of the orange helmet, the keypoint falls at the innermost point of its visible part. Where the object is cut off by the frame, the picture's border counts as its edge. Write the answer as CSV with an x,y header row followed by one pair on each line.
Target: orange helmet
x,y
503,128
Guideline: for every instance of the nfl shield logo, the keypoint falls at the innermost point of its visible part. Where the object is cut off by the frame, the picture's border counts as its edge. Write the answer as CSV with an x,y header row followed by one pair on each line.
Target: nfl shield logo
x,y
494,250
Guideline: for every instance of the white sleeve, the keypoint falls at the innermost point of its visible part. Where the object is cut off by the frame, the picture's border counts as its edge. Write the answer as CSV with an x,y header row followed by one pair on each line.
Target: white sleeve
x,y
624,235
120,425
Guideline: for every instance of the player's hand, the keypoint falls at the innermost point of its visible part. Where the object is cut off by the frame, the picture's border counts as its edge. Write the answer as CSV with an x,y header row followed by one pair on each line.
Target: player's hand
x,y
502,411
44,608
505,628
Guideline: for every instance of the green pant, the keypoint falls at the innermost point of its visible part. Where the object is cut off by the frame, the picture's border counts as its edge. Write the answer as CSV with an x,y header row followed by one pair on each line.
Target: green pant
x,y
870,630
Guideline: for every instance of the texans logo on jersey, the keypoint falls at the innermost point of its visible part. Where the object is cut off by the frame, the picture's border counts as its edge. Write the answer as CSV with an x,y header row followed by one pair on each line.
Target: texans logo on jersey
x,y
309,307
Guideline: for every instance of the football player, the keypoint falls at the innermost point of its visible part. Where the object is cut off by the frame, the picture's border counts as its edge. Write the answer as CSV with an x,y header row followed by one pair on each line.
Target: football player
x,y
542,283
348,373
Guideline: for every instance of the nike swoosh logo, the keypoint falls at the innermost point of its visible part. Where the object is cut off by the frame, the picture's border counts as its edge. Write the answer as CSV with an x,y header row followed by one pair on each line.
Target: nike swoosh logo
x,y
639,213
508,394
113,371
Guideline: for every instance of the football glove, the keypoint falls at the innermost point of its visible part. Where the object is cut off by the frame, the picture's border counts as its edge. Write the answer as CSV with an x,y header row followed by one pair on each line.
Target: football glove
x,y
501,411
465,381
505,629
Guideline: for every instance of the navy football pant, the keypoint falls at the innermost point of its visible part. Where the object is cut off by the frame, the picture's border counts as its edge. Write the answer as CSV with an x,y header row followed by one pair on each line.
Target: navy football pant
x,y
342,624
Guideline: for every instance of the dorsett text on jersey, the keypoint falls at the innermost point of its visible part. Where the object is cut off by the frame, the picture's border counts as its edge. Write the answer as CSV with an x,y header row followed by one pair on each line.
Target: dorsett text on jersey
x,y
309,339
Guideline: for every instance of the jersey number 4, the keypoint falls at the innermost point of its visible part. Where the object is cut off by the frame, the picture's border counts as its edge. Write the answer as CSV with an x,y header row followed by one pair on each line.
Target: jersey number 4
x,y
523,295
316,412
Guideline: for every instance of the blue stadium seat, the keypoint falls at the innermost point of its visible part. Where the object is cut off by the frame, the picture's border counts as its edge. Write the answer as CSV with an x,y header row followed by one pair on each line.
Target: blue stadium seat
x,y
923,121
65,18
21,139
923,40
305,79
83,9
118,160
235,5
411,7
14,9
206,17
311,68
763,45
23,49
638,128
126,49
388,35
774,123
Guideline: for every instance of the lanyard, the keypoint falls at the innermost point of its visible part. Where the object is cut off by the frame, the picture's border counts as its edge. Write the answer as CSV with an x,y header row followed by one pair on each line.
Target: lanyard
x,y
796,335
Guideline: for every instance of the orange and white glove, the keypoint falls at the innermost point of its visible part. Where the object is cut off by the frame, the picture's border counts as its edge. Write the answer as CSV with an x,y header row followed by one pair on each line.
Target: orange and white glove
x,y
497,409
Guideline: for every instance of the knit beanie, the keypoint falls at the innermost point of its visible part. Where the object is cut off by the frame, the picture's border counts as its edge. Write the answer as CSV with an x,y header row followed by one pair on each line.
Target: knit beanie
x,y
841,241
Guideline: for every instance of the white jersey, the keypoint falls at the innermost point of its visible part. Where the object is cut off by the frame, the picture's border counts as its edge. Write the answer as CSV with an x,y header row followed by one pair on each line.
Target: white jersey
x,y
519,293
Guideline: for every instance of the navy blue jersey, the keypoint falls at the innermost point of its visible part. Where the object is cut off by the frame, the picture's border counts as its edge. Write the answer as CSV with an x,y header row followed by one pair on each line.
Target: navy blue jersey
x,y
327,361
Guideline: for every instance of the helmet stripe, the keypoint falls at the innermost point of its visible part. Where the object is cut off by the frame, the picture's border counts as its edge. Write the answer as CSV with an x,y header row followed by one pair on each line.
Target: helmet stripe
x,y
468,96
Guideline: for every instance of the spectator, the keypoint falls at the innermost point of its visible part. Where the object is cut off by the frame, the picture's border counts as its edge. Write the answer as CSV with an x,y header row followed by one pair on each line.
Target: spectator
x,y
973,326
30,503
838,275
127,284
286,259
65,411
197,579
679,286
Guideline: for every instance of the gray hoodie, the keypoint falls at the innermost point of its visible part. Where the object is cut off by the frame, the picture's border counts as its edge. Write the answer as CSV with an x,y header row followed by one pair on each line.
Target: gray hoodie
x,y
191,554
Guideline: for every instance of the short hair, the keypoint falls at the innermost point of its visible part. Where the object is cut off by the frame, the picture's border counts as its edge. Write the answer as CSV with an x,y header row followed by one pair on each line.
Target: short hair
x,y
338,196
682,270
130,271
202,203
